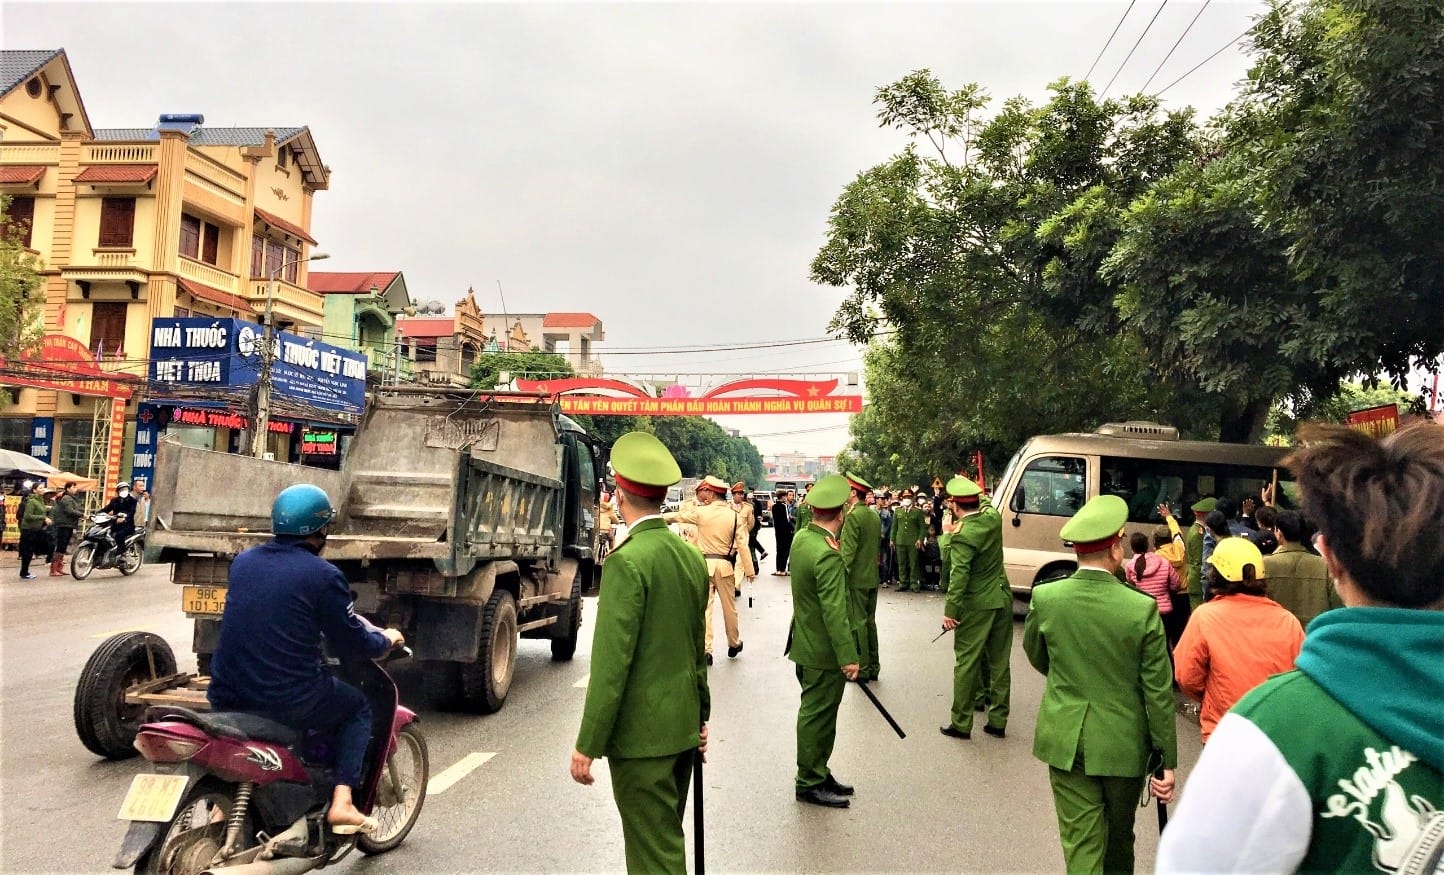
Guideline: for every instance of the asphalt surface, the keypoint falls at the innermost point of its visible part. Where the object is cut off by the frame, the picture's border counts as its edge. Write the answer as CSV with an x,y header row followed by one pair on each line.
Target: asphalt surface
x,y
926,803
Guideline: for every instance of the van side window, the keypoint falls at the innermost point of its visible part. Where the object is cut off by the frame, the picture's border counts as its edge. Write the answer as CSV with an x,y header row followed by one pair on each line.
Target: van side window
x,y
1052,486
1147,483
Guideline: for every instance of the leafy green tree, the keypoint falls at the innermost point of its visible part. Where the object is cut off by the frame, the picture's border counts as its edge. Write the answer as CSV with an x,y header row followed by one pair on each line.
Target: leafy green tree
x,y
532,365
21,296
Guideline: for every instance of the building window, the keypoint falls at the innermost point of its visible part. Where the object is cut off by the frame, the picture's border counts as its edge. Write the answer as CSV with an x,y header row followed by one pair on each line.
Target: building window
x,y
117,221
74,445
190,236
425,350
283,157
15,435
210,243
267,256
107,328
20,216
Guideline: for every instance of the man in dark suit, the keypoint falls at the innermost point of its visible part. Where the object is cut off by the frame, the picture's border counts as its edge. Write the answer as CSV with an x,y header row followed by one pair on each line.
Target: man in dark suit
x,y
782,530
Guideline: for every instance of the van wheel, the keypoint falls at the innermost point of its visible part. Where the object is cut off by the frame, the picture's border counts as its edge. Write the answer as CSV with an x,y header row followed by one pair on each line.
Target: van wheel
x,y
485,683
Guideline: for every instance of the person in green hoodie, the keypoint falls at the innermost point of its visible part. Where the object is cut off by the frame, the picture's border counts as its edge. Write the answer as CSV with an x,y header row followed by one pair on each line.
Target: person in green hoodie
x,y
647,699
34,539
1339,765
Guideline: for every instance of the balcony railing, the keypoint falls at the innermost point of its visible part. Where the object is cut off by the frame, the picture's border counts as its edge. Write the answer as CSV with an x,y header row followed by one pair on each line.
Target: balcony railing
x,y
30,153
207,274
389,365
120,153
291,303
113,257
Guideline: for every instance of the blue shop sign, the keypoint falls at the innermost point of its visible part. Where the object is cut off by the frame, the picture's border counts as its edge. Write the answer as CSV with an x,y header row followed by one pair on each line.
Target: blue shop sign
x,y
200,351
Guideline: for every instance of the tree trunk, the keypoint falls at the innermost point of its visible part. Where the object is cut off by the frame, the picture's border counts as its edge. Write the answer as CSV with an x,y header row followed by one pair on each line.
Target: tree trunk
x,y
1242,422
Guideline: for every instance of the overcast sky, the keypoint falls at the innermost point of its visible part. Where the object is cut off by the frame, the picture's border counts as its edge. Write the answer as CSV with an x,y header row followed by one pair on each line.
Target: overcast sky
x,y
668,167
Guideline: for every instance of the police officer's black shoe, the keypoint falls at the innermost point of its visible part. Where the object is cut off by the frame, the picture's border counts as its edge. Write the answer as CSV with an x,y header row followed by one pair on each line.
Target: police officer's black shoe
x,y
733,651
820,795
952,731
709,659
831,783
995,731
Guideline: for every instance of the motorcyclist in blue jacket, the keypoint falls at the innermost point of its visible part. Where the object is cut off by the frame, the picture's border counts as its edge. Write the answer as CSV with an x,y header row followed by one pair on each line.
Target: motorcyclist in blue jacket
x,y
282,597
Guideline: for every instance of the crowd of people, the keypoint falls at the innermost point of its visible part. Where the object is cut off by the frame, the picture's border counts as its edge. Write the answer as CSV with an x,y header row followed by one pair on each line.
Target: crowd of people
x,y
47,517
1322,751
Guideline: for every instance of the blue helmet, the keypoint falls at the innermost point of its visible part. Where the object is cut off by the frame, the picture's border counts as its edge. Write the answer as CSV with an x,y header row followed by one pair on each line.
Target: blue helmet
x,y
301,510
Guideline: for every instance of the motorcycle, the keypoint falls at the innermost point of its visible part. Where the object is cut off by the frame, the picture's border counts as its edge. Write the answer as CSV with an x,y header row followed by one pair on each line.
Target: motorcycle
x,y
239,794
98,549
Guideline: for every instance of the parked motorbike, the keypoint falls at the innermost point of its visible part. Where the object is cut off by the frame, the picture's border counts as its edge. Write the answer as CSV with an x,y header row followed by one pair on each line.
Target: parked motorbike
x,y
98,549
239,794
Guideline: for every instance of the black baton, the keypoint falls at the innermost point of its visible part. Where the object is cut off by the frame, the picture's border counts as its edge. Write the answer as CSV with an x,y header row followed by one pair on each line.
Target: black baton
x,y
1162,807
939,635
862,685
699,854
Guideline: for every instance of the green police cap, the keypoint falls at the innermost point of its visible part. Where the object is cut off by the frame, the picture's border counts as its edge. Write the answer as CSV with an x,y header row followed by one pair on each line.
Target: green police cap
x,y
643,466
858,483
830,492
1097,525
1204,505
963,487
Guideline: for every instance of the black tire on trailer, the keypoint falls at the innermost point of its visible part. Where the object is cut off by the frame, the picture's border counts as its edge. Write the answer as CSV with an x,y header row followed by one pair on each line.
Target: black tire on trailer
x,y
565,647
485,683
441,681
397,808
105,724
83,562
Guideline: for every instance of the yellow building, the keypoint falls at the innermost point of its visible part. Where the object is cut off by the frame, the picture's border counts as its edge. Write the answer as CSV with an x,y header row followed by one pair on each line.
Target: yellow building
x,y
134,224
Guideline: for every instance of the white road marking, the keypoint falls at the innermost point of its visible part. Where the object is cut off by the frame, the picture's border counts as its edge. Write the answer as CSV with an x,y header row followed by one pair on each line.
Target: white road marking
x,y
581,684
442,782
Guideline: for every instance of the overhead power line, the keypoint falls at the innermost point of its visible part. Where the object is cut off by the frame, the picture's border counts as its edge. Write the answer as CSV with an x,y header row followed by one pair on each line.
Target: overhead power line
x,y
1230,44
1175,46
1089,74
1136,43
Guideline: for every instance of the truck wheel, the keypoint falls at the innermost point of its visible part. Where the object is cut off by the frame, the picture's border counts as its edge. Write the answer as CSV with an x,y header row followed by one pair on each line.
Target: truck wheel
x,y
441,681
565,647
105,723
484,683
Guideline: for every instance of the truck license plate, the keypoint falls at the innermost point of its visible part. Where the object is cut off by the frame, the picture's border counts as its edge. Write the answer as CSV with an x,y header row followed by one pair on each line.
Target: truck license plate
x,y
153,797
203,599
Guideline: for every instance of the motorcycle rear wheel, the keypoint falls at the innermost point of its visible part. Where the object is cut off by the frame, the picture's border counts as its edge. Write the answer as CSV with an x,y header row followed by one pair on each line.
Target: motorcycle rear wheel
x,y
196,832
401,793
83,562
129,561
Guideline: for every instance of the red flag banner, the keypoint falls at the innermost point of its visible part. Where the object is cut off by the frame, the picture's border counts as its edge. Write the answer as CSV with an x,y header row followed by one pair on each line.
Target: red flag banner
x,y
1377,421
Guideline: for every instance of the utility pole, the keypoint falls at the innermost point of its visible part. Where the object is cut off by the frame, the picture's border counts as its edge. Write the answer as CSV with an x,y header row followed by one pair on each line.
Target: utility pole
x,y
261,420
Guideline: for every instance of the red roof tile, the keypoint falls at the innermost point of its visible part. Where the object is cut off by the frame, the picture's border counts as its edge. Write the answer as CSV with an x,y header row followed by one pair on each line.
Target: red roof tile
x,y
99,174
332,282
21,174
215,296
281,224
569,320
421,326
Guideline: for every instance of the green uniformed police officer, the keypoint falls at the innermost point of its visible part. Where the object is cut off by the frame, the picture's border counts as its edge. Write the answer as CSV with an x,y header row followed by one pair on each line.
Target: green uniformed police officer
x,y
803,514
909,527
978,610
1193,550
1107,706
821,642
861,541
647,699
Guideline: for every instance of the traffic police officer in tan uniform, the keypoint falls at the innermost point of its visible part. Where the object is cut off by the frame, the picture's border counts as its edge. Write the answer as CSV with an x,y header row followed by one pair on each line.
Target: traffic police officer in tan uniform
x,y
722,537
821,642
647,699
1107,706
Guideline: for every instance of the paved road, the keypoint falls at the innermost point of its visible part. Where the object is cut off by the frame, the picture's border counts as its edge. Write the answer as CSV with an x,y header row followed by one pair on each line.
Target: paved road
x,y
924,804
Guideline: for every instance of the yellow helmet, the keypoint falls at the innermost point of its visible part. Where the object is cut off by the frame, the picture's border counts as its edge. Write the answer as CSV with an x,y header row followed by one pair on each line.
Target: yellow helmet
x,y
1232,555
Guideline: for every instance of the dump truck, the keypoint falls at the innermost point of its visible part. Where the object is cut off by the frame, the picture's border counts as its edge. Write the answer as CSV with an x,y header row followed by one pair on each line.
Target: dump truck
x,y
466,519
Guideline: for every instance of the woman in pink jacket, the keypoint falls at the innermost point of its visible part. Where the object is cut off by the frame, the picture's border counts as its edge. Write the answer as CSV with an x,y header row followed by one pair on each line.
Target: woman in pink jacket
x,y
1238,638
1155,575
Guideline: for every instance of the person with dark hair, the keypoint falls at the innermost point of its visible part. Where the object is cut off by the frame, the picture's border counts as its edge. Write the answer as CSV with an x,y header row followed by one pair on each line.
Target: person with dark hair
x,y
1339,764
1264,538
65,516
34,539
1236,640
1193,546
1153,574
782,531
1297,578
1215,529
